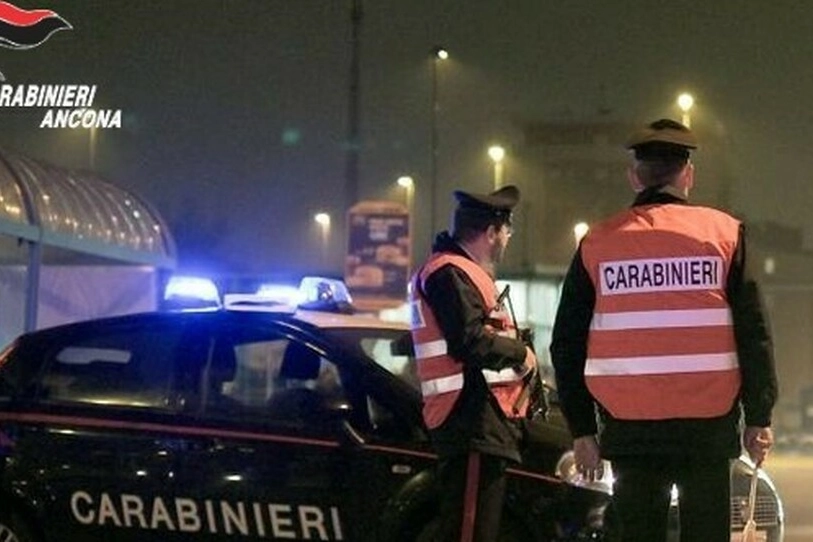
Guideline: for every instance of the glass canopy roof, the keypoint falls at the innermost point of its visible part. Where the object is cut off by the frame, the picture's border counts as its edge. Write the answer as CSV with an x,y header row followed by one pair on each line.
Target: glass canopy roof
x,y
81,212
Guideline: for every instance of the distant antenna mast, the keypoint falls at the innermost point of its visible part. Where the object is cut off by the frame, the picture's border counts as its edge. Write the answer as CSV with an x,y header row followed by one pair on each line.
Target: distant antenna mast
x,y
353,110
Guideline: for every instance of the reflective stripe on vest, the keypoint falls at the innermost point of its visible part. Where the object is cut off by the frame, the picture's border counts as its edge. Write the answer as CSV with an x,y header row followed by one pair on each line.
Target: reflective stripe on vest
x,y
441,375
431,349
654,365
673,318
661,342
455,382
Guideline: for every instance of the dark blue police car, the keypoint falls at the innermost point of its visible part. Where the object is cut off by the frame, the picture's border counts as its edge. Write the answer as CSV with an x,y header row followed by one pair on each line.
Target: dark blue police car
x,y
242,424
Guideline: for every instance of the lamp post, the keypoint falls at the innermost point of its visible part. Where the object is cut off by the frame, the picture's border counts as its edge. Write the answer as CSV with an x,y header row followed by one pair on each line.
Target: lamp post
x,y
92,148
408,184
438,54
685,101
497,155
323,220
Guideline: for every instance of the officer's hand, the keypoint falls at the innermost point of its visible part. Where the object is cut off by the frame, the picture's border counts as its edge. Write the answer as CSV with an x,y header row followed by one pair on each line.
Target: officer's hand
x,y
758,442
588,457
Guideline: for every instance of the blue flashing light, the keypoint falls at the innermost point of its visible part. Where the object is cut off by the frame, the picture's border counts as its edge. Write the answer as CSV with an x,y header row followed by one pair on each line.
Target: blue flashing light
x,y
314,293
191,293
320,293
315,289
281,293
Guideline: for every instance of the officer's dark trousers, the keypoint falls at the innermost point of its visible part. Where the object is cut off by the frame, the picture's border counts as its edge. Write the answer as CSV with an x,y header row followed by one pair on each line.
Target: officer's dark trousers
x,y
641,496
480,479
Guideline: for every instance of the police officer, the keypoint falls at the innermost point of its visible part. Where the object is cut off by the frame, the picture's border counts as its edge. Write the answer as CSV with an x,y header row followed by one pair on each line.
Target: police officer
x,y
661,328
472,367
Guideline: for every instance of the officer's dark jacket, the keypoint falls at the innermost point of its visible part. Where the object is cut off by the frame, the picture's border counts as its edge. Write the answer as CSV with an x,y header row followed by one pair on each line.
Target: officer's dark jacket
x,y
476,422
713,436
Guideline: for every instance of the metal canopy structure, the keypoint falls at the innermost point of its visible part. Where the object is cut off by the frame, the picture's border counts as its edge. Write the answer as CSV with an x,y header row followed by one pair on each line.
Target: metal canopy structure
x,y
45,206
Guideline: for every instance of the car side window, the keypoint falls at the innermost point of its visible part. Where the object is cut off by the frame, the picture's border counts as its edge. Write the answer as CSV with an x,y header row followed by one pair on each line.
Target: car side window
x,y
385,351
271,377
121,367
305,386
389,426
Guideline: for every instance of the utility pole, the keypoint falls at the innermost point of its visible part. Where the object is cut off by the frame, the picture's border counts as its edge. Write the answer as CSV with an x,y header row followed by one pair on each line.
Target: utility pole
x,y
353,109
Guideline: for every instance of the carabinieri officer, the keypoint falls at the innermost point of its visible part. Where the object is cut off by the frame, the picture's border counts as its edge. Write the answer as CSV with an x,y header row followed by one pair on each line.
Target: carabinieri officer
x,y
660,329
474,369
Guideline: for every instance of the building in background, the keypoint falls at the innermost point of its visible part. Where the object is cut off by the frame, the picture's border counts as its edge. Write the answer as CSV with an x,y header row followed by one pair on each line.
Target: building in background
x,y
784,267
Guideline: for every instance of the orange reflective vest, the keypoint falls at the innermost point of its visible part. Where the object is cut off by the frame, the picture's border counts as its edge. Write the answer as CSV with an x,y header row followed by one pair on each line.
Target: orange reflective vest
x,y
661,341
440,374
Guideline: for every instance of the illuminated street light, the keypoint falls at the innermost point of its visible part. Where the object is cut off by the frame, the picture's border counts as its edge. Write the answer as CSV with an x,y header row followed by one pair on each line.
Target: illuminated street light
x,y
579,231
685,101
323,220
497,155
438,54
408,184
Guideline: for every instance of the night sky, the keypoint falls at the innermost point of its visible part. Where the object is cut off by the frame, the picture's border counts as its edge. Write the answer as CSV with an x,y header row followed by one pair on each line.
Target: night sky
x,y
235,111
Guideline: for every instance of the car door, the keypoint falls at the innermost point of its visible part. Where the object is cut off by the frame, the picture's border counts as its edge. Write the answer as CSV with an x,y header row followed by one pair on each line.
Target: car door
x,y
268,458
92,455
396,460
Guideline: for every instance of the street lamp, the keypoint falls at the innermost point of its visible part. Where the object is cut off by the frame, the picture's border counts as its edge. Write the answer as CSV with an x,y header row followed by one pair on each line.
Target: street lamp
x,y
323,220
438,54
579,231
408,184
685,101
497,155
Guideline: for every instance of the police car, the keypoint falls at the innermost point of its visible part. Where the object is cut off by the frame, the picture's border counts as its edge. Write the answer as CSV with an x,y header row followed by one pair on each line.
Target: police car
x,y
258,421
249,421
